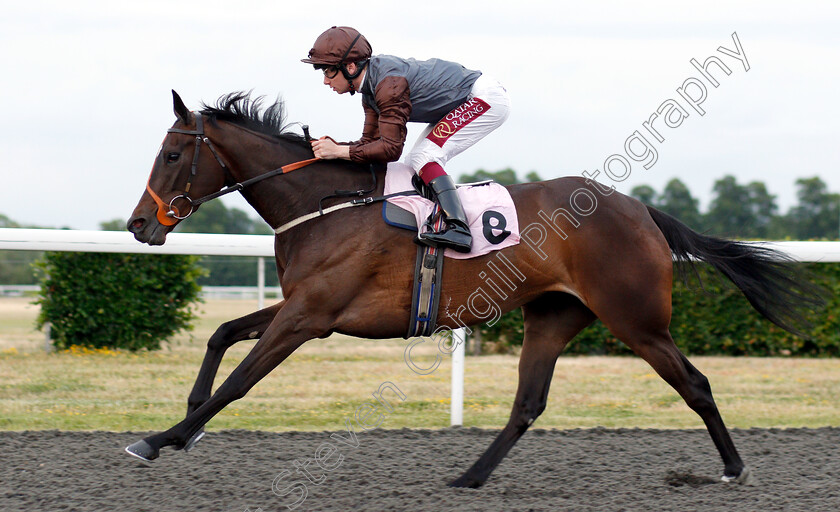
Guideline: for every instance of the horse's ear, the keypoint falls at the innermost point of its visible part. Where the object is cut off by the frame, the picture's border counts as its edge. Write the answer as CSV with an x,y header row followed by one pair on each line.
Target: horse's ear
x,y
181,110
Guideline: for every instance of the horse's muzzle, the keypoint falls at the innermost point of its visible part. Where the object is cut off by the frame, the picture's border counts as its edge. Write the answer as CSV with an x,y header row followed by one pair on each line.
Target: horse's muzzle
x,y
147,230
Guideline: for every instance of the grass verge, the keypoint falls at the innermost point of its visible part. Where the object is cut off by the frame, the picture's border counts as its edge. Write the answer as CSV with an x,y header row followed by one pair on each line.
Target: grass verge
x,y
327,380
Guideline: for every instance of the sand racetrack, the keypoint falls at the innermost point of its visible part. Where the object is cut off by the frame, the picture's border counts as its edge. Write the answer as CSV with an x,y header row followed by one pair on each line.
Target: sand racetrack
x,y
580,470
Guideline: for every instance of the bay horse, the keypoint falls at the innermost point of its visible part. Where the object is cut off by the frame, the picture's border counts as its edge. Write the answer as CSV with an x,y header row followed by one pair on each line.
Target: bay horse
x,y
348,272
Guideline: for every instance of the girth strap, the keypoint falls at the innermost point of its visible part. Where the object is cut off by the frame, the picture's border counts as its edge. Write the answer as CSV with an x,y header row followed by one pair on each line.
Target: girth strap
x,y
323,211
425,300
300,220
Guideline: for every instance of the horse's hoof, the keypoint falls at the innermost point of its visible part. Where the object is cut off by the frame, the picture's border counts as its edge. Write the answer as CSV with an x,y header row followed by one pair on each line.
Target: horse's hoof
x,y
466,482
745,478
193,440
142,450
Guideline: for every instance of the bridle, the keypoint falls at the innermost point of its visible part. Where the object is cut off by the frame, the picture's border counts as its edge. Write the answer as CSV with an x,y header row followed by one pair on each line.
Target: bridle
x,y
169,214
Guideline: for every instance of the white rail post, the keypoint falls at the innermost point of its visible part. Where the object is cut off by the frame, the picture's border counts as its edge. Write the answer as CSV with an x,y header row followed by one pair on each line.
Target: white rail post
x,y
260,282
459,337
48,346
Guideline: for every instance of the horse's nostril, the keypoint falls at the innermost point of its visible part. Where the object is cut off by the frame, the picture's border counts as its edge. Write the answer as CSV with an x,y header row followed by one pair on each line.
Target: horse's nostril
x,y
135,225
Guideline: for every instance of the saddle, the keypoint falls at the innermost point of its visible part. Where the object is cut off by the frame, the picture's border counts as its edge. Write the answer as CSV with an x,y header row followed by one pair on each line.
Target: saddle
x,y
491,214
493,223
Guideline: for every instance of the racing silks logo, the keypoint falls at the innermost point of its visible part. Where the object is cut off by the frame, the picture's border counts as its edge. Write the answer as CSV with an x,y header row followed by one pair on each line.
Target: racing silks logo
x,y
457,119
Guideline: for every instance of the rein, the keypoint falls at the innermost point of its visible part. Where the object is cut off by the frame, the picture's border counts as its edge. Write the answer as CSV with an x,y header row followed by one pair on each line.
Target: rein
x,y
169,214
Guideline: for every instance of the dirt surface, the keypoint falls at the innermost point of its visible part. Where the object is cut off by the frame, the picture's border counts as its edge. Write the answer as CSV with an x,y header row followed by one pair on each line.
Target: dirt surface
x,y
580,470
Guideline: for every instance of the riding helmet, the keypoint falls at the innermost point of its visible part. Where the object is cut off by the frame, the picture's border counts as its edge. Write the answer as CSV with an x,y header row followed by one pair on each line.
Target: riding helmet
x,y
337,46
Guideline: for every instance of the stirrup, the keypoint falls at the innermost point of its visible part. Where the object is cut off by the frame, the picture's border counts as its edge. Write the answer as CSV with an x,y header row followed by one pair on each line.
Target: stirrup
x,y
454,237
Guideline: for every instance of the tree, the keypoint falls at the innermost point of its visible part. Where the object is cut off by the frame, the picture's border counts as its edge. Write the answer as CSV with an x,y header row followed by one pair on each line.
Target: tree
x,y
532,177
730,214
503,177
6,222
763,207
645,194
112,225
16,266
818,213
676,200
215,217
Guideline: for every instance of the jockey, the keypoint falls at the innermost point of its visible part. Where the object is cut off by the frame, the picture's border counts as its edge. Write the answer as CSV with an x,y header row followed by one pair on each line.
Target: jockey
x,y
459,105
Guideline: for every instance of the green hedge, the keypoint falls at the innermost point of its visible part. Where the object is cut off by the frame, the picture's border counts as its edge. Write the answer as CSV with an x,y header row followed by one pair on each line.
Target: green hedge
x,y
130,301
713,320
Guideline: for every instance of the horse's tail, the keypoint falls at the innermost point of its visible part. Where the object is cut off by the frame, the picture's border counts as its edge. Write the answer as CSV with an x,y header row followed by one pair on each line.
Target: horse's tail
x,y
775,288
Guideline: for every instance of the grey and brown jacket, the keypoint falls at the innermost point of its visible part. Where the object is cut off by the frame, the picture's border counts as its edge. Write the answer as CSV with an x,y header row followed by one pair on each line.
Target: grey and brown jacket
x,y
396,91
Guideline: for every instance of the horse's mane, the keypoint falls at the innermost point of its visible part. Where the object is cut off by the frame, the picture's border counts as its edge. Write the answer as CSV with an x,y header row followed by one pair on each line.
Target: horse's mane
x,y
240,109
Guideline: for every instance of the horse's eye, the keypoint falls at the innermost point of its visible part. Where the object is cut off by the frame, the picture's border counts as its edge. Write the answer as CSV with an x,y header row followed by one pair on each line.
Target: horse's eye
x,y
171,158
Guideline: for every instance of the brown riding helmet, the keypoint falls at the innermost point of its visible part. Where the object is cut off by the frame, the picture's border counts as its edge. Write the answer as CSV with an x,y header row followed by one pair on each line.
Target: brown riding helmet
x,y
337,46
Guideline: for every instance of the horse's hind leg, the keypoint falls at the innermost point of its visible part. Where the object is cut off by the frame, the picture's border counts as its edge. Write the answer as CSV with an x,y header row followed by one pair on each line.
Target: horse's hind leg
x,y
250,326
663,355
550,322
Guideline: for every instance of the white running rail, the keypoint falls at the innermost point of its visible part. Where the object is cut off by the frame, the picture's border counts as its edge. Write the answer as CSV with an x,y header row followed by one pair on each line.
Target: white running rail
x,y
262,246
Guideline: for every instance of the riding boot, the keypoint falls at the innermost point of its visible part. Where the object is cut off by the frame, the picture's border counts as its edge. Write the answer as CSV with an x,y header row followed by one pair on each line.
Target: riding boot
x,y
456,234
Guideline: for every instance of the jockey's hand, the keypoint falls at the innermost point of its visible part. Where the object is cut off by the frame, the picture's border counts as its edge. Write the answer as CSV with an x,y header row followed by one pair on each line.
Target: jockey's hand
x,y
327,149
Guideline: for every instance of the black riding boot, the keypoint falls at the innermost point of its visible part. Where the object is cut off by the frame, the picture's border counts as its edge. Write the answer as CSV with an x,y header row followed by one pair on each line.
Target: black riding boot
x,y
456,235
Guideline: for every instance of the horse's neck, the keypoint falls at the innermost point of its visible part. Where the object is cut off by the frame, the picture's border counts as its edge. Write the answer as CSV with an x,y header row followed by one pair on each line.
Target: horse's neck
x,y
281,199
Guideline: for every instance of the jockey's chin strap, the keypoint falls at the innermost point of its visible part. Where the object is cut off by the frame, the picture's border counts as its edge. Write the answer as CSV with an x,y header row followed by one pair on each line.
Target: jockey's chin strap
x,y
169,215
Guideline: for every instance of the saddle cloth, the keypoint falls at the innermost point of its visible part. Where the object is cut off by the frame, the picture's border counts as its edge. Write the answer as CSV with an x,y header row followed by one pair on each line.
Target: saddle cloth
x,y
490,211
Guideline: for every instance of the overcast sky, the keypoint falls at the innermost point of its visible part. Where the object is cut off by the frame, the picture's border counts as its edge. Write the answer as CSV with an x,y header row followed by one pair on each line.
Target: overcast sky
x,y
86,87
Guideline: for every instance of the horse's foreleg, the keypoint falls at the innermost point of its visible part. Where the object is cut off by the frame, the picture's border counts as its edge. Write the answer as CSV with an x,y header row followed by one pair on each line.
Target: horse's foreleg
x,y
290,328
550,323
248,327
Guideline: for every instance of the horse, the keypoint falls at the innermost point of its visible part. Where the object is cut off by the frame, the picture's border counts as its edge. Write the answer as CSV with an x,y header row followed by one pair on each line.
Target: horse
x,y
592,253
